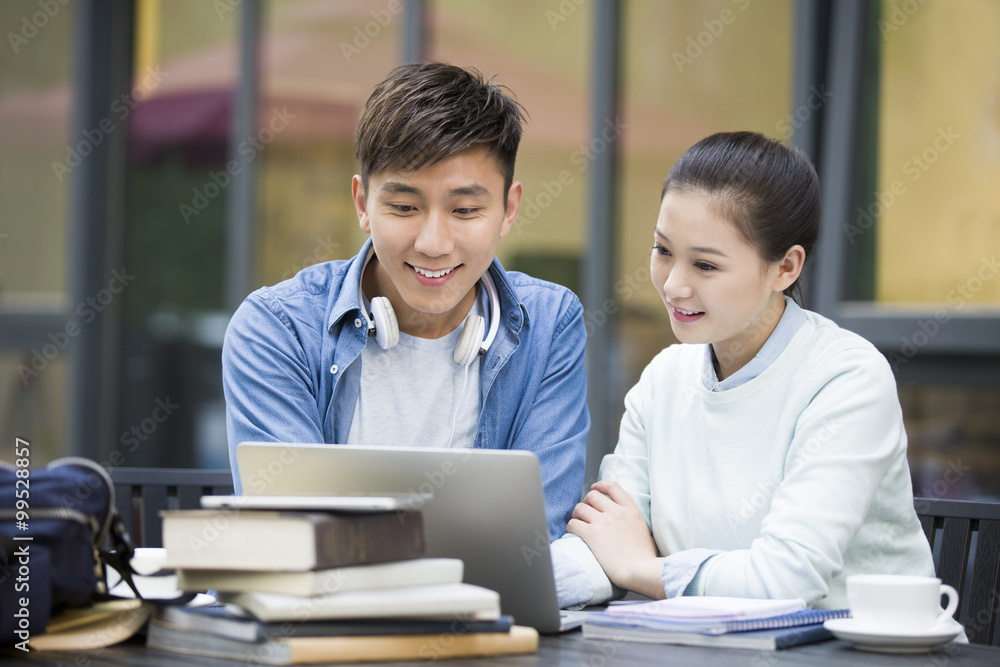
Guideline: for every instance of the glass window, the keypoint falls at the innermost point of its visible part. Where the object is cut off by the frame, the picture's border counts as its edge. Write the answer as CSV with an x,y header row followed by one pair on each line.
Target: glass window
x,y
954,437
541,53
937,203
690,70
36,411
180,105
934,222
319,63
37,157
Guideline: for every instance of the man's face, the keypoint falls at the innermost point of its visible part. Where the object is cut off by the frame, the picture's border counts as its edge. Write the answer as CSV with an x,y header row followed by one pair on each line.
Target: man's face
x,y
435,232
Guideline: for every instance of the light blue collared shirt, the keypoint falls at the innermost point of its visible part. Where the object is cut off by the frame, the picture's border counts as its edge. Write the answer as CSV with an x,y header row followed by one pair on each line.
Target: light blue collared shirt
x,y
788,325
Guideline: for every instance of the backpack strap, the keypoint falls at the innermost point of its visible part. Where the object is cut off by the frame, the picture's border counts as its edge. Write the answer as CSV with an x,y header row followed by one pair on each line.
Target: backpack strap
x,y
119,557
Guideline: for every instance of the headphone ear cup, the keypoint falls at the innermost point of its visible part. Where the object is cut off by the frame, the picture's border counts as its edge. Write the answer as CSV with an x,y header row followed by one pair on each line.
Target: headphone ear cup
x,y
470,341
386,328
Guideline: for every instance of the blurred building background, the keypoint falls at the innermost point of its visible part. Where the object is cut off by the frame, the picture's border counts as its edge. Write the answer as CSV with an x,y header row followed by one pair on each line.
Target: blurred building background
x,y
159,160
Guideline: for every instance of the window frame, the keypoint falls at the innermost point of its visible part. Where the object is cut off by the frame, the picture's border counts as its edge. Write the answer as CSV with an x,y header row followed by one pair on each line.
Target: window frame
x,y
923,344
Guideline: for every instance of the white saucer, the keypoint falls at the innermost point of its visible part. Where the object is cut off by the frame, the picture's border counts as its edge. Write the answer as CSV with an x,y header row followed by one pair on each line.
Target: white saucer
x,y
868,638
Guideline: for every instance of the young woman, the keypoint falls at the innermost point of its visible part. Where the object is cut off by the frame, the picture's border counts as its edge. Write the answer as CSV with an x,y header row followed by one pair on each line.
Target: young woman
x,y
764,456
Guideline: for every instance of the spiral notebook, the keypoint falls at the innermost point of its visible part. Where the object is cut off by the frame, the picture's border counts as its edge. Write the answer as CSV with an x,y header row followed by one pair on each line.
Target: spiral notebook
x,y
777,632
618,618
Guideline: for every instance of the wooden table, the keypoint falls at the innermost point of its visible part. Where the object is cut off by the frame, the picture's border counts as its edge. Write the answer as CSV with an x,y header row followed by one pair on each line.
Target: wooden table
x,y
571,649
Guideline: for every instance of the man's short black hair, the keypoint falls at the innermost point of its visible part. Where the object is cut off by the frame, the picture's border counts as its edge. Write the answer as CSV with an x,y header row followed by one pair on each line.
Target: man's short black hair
x,y
424,112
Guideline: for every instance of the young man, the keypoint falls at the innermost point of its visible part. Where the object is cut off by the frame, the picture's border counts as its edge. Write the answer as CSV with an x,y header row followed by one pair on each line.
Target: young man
x,y
422,338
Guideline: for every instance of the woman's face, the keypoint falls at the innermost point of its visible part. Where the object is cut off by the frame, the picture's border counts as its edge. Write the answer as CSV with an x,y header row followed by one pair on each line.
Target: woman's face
x,y
716,287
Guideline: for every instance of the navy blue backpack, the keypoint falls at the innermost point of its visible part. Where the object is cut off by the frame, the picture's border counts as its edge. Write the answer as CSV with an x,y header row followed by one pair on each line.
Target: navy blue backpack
x,y
59,529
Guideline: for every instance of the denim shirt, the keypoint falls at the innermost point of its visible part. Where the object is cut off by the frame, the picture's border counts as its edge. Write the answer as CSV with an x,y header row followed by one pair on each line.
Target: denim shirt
x,y
291,369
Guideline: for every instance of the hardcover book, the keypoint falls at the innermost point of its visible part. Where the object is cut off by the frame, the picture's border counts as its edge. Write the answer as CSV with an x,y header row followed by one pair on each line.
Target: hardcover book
x,y
224,621
448,601
413,572
288,541
303,650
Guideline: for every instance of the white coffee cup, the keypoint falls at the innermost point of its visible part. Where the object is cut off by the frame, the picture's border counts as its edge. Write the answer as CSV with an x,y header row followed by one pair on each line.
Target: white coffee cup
x,y
899,603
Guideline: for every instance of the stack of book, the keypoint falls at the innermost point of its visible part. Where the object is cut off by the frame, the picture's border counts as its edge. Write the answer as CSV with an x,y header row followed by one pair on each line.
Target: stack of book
x,y
728,622
299,586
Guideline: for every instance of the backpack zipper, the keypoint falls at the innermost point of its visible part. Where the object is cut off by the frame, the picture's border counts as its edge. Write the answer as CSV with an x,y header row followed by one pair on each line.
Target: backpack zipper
x,y
105,526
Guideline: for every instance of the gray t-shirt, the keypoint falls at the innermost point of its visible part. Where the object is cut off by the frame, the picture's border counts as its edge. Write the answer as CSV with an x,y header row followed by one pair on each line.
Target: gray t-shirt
x,y
410,392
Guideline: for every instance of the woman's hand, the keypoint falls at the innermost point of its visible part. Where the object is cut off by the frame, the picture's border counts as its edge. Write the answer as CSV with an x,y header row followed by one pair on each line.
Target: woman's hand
x,y
616,532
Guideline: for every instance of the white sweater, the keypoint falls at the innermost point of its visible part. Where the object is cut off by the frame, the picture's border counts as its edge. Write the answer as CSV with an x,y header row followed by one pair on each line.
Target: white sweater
x,y
781,487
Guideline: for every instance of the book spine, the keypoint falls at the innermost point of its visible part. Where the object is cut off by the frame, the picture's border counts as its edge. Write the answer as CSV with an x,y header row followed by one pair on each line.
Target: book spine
x,y
425,647
351,539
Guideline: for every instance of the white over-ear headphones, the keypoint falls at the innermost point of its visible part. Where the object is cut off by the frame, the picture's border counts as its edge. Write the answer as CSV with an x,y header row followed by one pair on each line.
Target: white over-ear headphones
x,y
382,322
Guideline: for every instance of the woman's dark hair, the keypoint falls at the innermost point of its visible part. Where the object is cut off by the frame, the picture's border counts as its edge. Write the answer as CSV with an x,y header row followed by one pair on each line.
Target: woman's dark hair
x,y
425,112
770,191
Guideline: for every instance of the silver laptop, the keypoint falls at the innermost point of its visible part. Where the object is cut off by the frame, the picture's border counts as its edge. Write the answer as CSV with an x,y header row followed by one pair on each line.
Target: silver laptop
x,y
485,507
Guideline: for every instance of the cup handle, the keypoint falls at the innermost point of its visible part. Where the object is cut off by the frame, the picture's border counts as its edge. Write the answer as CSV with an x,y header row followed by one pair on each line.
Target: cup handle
x,y
949,611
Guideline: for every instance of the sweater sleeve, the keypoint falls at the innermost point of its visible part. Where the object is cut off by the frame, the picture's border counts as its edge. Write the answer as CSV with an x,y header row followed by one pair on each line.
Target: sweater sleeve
x,y
845,440
629,466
